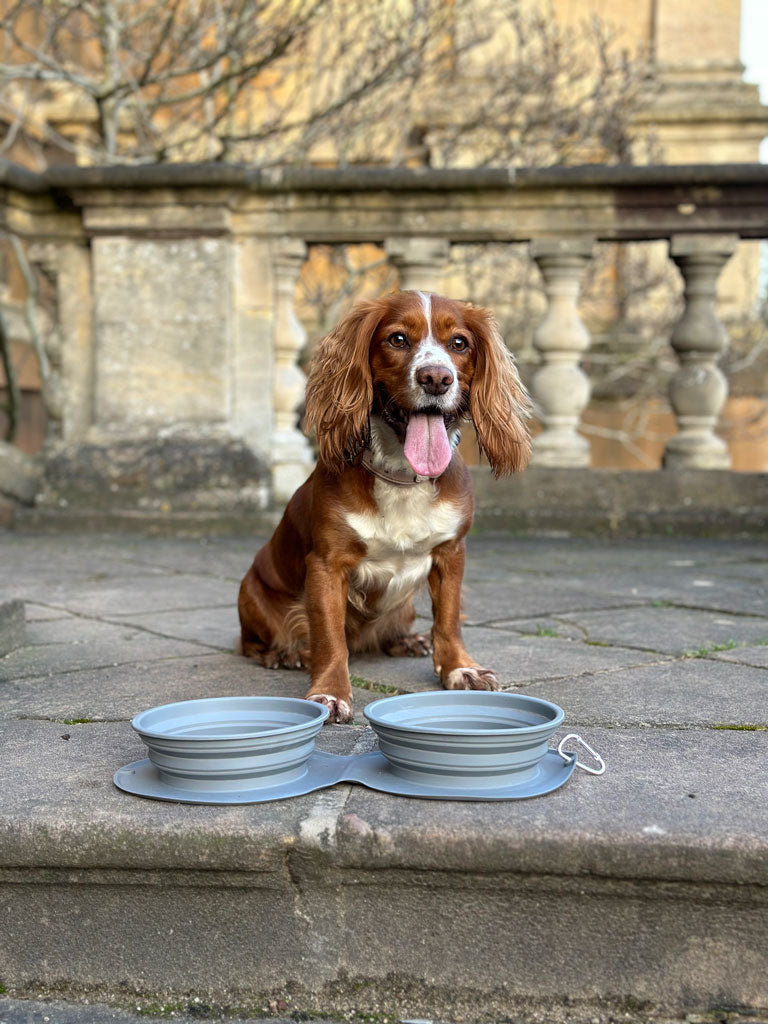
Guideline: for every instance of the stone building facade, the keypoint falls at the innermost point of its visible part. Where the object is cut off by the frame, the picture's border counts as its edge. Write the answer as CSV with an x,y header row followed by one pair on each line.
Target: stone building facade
x,y
183,332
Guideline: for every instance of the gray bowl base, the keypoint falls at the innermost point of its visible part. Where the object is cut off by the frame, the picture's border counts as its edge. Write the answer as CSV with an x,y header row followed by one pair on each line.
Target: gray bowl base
x,y
141,778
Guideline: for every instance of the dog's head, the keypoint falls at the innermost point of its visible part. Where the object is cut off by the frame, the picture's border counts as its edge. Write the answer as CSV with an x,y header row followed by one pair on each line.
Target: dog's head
x,y
422,363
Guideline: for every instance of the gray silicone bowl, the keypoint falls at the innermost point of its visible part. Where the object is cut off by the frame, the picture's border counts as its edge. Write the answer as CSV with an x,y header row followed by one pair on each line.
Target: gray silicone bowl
x,y
224,744
465,739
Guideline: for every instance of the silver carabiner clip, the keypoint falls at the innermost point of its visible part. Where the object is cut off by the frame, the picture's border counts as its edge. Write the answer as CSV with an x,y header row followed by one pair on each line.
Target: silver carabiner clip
x,y
574,757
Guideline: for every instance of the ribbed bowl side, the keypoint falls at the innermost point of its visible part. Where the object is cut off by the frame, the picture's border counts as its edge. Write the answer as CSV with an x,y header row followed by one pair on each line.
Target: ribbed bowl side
x,y
194,760
492,763
236,767
457,754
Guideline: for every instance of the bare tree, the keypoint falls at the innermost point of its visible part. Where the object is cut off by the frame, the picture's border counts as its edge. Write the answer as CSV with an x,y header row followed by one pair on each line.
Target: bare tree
x,y
265,81
203,79
268,82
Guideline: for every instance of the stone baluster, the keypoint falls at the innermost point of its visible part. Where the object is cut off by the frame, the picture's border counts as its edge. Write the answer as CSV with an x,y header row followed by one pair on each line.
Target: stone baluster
x,y
560,388
698,389
420,261
291,453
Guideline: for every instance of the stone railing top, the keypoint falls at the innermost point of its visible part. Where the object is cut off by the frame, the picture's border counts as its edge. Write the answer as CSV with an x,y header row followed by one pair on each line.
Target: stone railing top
x,y
356,204
365,179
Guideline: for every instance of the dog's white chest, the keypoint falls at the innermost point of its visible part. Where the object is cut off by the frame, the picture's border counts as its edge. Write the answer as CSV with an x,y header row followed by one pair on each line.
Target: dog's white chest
x,y
399,541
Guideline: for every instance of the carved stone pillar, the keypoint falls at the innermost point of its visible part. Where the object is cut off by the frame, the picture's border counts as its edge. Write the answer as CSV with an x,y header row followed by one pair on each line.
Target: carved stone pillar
x,y
560,388
420,261
698,390
292,456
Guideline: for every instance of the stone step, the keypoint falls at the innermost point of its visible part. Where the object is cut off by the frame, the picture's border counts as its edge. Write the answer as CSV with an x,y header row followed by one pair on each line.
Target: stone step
x,y
646,887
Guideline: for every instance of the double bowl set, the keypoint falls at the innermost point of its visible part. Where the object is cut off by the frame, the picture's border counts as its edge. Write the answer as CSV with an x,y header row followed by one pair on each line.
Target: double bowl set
x,y
464,745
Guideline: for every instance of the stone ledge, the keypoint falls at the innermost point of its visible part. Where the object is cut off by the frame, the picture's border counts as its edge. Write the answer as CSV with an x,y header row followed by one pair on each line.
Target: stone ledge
x,y
318,897
222,175
697,502
714,503
626,826
154,478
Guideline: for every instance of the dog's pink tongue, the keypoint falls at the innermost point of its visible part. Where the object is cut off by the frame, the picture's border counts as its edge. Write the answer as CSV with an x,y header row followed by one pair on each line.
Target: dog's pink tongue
x,y
427,447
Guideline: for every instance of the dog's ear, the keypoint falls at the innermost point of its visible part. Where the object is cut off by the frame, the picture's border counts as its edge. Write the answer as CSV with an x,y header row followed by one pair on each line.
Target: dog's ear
x,y
340,387
498,403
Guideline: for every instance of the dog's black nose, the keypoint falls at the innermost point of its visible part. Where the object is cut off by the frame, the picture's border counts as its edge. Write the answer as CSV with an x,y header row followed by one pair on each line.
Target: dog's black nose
x,y
434,379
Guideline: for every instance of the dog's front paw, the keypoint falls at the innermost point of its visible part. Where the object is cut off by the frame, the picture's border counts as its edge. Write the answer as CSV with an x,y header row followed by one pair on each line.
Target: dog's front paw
x,y
340,710
471,678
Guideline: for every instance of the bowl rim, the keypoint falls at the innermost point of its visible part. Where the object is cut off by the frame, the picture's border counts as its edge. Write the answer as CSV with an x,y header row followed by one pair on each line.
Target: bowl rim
x,y
372,713
318,714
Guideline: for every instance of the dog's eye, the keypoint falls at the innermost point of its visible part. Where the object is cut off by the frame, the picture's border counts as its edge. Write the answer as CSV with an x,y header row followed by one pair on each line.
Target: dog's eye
x,y
397,340
459,344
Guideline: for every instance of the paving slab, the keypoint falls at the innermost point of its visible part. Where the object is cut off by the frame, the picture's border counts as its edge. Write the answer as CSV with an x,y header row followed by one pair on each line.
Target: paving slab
x,y
49,556
757,656
217,627
676,694
228,558
117,595
524,596
566,555
664,629
92,645
698,588
516,659
119,692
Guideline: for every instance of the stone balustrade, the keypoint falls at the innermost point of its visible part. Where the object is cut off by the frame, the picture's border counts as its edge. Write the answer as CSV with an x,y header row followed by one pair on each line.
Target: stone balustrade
x,y
175,340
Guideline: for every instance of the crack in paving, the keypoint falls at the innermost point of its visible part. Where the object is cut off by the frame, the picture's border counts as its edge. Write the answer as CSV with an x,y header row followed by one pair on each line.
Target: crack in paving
x,y
558,613
100,668
118,619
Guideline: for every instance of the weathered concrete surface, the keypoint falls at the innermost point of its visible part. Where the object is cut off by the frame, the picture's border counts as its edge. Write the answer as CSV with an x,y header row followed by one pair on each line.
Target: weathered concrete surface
x,y
646,886
12,626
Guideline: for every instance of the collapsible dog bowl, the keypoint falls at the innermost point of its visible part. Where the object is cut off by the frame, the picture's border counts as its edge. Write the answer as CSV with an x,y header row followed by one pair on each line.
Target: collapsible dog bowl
x,y
444,745
226,746
466,739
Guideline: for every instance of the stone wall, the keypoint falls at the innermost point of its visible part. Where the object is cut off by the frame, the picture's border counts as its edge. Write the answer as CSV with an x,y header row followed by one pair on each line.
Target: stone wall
x,y
174,343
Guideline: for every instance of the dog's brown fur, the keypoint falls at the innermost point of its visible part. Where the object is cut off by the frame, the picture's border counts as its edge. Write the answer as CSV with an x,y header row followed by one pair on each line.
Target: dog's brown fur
x,y
323,586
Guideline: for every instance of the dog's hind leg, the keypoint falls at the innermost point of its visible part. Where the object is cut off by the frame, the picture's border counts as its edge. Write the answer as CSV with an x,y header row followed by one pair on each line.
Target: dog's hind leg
x,y
392,634
273,628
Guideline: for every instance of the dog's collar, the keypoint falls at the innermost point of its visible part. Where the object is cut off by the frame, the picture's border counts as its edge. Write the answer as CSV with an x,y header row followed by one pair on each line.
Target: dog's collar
x,y
400,477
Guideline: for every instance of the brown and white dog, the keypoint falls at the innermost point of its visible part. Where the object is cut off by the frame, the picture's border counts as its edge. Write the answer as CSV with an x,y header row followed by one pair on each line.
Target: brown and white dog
x,y
390,501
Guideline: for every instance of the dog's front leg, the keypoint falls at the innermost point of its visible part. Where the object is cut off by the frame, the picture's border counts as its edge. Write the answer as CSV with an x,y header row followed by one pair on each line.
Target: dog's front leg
x,y
327,586
456,669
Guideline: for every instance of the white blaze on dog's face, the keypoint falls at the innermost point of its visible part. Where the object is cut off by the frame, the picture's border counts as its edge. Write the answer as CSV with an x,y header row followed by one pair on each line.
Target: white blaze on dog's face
x,y
422,362
430,353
